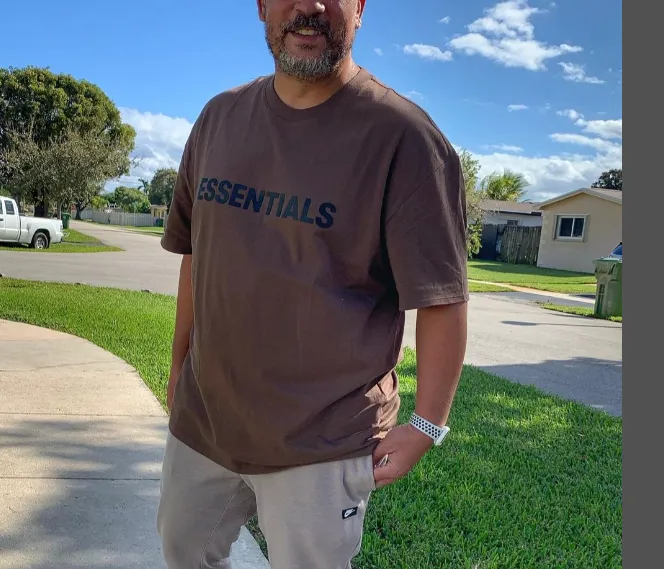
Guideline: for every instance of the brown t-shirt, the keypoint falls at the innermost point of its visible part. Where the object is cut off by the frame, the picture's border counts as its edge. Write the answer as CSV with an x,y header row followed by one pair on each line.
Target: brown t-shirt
x,y
312,231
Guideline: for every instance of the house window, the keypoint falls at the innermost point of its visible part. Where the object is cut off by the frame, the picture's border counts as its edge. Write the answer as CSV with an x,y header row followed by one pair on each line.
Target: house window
x,y
571,227
512,222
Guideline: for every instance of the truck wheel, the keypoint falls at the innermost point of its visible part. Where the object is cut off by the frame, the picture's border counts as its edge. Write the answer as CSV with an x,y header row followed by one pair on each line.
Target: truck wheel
x,y
40,240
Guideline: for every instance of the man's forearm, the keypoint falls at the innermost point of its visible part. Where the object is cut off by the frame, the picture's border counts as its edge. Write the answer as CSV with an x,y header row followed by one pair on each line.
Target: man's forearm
x,y
441,334
184,318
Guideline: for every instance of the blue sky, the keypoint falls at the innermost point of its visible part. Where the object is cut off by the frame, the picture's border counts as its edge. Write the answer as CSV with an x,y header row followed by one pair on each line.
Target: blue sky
x,y
535,86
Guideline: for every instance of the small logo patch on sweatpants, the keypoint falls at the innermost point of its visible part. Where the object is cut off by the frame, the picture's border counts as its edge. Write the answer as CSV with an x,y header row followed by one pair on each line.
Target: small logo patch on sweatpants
x,y
349,513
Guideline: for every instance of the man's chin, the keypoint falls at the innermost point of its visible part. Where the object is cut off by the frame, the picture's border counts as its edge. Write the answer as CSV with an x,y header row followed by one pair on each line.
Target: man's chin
x,y
305,68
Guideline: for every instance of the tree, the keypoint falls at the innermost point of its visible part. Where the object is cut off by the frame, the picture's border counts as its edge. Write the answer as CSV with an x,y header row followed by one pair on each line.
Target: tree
x,y
144,186
47,109
88,198
131,200
73,167
610,180
506,187
100,201
161,187
470,167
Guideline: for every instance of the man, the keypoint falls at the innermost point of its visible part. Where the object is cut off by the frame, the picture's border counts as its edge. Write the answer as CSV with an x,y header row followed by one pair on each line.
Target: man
x,y
312,208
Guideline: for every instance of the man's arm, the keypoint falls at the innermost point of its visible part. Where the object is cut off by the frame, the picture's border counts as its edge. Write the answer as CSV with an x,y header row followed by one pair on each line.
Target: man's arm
x,y
441,333
425,235
184,320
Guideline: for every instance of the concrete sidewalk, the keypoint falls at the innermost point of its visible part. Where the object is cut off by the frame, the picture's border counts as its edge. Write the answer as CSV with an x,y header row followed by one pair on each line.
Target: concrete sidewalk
x,y
81,441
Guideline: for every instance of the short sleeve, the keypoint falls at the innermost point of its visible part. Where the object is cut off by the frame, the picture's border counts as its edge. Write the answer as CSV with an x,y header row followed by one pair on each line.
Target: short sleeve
x,y
426,223
177,233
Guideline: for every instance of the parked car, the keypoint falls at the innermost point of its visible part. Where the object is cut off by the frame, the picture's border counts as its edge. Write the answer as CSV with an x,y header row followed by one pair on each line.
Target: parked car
x,y
37,232
617,252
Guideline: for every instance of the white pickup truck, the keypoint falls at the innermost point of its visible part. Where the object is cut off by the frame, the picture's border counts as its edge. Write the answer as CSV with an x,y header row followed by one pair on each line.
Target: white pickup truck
x,y
37,232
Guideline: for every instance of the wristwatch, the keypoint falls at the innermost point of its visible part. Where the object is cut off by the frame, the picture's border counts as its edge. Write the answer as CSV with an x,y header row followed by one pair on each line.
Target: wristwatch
x,y
434,431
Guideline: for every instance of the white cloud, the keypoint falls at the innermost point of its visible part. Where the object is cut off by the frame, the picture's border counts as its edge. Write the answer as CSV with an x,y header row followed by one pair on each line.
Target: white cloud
x,y
512,108
554,175
504,148
414,95
445,20
378,51
506,35
551,176
598,144
427,52
605,129
602,128
577,74
160,140
570,114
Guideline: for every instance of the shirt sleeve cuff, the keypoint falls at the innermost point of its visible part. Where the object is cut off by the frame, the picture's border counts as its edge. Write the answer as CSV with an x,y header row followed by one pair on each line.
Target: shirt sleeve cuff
x,y
174,245
417,302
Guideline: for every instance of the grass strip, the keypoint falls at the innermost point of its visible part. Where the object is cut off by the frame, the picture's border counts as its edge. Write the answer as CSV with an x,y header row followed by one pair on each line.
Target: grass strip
x,y
578,311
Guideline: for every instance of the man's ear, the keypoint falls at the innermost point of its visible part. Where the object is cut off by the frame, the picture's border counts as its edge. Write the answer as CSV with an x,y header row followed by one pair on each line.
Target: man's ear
x,y
360,8
261,10
358,14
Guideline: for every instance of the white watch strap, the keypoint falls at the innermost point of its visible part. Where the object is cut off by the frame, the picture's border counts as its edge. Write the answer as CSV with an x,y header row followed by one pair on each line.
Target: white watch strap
x,y
434,431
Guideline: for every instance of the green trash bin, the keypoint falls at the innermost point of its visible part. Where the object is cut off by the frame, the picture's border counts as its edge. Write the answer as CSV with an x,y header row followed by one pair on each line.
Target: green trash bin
x,y
65,220
608,299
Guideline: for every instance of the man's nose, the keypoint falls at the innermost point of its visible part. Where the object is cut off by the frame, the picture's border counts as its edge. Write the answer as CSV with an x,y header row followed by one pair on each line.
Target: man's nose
x,y
310,7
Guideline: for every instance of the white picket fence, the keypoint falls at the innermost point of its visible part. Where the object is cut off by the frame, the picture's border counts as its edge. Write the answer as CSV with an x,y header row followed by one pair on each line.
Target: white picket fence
x,y
119,218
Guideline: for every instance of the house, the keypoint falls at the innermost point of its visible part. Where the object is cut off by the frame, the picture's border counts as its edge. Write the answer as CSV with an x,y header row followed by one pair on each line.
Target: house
x,y
158,211
578,228
499,218
511,213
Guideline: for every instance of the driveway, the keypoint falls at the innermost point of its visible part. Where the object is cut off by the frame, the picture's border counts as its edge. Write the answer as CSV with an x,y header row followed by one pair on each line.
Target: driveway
x,y
142,265
573,357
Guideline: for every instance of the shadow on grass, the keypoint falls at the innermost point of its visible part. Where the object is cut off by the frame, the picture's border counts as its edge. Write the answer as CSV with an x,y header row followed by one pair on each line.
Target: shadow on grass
x,y
82,500
593,382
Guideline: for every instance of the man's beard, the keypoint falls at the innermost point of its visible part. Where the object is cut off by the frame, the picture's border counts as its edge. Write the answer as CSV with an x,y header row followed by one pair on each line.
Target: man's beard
x,y
305,68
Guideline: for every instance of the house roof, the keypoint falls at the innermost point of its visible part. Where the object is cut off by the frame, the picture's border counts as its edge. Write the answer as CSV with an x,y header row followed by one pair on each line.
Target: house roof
x,y
614,196
497,206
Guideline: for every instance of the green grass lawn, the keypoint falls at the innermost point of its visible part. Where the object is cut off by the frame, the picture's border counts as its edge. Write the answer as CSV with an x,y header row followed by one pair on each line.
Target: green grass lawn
x,y
524,481
577,310
149,230
73,236
73,242
532,277
482,287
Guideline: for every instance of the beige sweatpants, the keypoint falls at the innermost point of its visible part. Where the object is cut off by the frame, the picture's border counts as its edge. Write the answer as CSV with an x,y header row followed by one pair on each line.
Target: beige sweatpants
x,y
312,516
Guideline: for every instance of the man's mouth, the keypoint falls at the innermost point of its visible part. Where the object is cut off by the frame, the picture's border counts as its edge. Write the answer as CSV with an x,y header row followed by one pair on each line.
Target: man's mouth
x,y
307,32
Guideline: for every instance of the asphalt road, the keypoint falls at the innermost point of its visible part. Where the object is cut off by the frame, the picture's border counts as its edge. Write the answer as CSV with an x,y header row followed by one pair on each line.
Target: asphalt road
x,y
573,357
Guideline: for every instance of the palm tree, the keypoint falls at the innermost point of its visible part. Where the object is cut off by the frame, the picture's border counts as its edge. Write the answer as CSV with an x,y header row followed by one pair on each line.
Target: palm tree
x,y
144,185
508,186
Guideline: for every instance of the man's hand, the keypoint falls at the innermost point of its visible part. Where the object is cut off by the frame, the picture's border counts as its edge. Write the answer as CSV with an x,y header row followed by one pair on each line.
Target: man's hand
x,y
403,446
